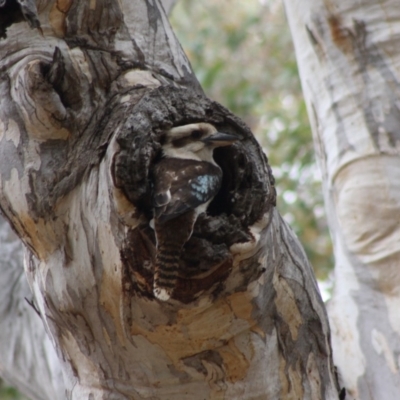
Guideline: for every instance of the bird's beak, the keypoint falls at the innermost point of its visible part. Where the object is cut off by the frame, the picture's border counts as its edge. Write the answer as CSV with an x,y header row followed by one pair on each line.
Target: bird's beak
x,y
219,139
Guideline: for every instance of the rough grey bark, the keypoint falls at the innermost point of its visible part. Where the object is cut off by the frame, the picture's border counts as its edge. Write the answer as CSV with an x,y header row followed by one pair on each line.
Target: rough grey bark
x,y
348,57
84,103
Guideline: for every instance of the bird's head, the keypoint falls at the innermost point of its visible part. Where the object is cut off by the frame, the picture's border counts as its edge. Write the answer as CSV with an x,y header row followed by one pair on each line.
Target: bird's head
x,y
195,141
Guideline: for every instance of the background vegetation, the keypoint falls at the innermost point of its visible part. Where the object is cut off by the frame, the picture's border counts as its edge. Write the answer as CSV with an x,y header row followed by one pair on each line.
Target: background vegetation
x,y
9,393
242,54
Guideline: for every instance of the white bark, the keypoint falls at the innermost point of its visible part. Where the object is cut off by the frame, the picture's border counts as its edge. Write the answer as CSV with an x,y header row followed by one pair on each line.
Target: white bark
x,y
349,62
27,357
168,5
83,107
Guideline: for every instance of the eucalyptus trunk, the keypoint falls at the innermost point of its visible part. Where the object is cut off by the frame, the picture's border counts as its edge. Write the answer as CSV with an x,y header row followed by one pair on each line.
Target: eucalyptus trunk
x,y
349,56
86,97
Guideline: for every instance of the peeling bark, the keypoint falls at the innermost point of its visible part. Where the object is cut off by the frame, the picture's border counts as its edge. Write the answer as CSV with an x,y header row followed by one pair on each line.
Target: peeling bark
x,y
348,58
84,105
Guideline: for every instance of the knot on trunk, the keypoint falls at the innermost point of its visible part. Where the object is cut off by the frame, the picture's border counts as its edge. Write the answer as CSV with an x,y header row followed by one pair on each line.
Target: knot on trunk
x,y
247,191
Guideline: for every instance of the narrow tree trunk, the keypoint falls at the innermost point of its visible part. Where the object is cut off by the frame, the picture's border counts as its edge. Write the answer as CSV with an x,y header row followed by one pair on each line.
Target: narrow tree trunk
x,y
86,99
349,58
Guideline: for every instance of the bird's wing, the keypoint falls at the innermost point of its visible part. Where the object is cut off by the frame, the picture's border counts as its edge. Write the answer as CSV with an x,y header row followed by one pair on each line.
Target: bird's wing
x,y
182,185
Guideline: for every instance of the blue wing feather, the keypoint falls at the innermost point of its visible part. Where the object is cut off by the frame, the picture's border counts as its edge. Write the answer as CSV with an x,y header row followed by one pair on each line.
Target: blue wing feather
x,y
189,182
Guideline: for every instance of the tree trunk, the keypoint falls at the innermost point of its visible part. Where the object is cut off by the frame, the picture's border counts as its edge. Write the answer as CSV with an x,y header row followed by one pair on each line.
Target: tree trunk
x,y
27,356
86,99
348,57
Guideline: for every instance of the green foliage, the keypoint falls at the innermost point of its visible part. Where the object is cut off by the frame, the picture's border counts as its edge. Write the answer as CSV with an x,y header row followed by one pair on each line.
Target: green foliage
x,y
9,393
243,56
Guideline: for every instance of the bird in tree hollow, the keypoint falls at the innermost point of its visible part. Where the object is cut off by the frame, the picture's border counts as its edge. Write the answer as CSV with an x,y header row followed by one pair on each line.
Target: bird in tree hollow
x,y
185,181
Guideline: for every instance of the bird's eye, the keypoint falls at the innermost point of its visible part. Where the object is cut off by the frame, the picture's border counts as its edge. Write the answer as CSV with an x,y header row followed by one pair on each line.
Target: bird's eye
x,y
197,134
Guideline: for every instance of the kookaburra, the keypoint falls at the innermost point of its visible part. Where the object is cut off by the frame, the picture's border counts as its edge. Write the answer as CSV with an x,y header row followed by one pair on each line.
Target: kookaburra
x,y
185,181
